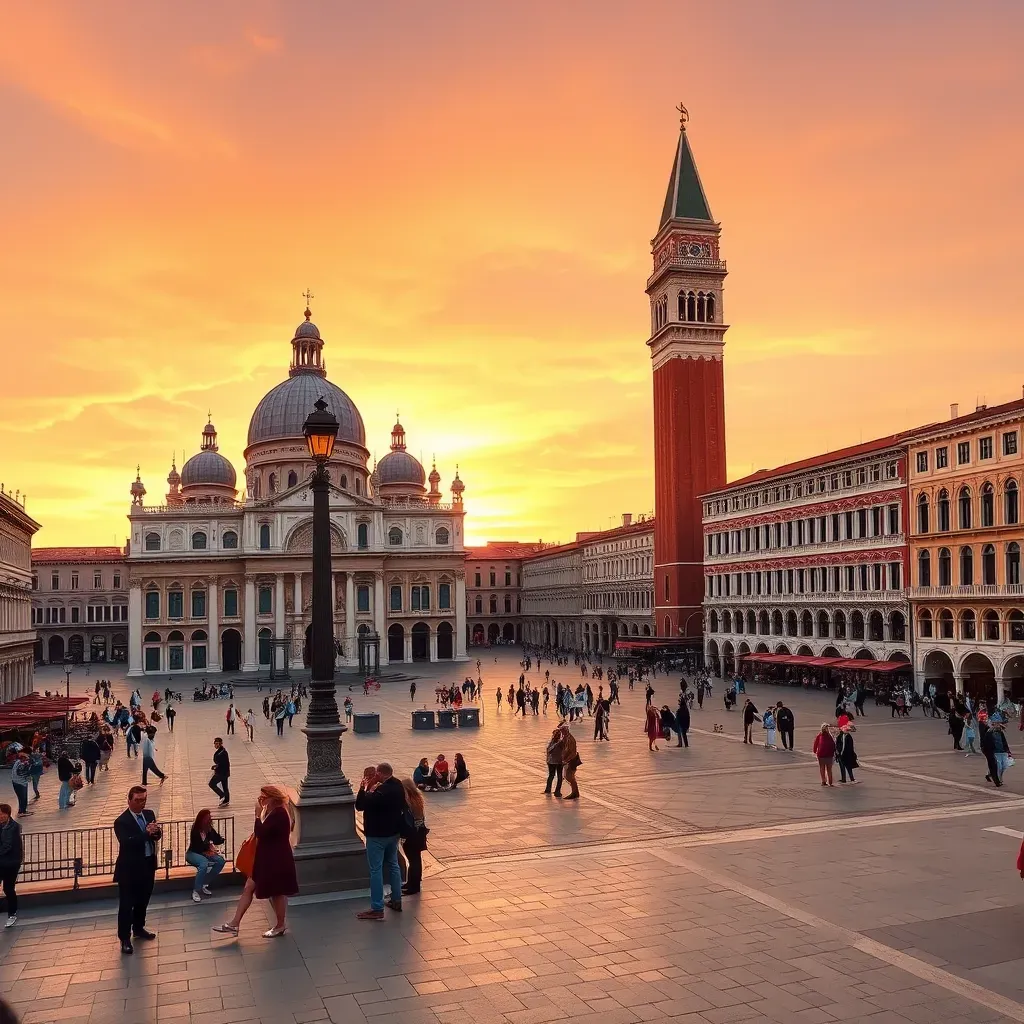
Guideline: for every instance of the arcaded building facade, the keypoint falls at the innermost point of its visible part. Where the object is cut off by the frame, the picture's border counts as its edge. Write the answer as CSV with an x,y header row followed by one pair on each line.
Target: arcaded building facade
x,y
217,582
80,604
17,637
494,592
967,596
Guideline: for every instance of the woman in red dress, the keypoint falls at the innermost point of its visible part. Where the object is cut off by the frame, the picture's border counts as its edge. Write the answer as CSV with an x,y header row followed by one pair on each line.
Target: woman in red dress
x,y
273,871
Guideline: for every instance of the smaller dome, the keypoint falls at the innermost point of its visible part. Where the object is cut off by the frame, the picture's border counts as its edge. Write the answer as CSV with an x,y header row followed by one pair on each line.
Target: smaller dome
x,y
307,329
138,488
173,478
399,467
457,485
208,467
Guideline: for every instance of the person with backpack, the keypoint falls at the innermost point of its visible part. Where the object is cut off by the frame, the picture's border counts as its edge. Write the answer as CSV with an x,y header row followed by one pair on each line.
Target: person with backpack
x,y
11,855
290,710
279,716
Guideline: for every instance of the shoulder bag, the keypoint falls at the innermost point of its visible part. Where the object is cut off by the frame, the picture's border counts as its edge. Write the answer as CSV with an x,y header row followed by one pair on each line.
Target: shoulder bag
x,y
245,858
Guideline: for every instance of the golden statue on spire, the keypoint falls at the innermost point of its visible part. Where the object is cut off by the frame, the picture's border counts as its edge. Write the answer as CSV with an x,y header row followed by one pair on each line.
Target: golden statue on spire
x,y
684,116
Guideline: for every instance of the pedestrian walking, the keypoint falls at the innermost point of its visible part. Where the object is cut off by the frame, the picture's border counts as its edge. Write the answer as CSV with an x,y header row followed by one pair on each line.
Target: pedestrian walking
x,y
571,761
768,724
133,739
250,724
750,716
970,734
266,707
381,798
652,726
105,741
824,749
11,855
683,720
785,723
137,834
149,757
229,718
37,765
413,845
279,716
273,871
90,754
845,753
202,854
221,771
171,714
65,770
412,692
21,776
602,711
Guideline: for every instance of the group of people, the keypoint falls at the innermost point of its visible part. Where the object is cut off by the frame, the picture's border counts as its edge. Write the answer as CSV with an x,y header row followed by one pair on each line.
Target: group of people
x,y
440,776
281,708
968,723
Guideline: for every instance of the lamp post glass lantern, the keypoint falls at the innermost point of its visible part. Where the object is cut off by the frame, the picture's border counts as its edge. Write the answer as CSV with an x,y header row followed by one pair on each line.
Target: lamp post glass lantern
x,y
328,854
69,664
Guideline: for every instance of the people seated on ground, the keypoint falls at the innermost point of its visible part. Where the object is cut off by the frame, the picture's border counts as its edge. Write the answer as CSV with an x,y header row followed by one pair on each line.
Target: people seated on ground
x,y
440,772
461,771
423,777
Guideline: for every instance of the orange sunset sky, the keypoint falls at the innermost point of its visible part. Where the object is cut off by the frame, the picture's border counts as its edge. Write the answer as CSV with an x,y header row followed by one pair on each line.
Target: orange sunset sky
x,y
470,190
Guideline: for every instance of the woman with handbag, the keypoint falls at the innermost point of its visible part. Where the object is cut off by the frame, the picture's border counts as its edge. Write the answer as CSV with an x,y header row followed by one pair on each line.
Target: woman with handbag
x,y
571,759
273,868
414,845
66,770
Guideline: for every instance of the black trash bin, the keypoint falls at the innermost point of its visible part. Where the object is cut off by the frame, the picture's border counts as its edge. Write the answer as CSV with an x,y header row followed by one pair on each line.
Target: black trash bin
x,y
423,720
469,718
446,719
366,721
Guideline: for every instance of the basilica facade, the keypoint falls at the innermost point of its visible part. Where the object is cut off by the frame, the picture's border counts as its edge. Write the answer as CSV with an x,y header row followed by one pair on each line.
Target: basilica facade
x,y
219,583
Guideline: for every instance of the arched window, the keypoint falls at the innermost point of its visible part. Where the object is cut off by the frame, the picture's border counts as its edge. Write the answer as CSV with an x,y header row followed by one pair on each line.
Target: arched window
x,y
988,506
777,623
942,510
806,624
493,604
293,478
700,307
857,626
763,626
922,513
988,565
479,605
839,626
875,627
682,305
229,539
924,623
199,541
508,604
713,622
964,508
945,624
791,624
897,627
945,568
709,306
441,535
359,486
752,623
264,536
255,486
991,620
363,536
344,482
966,567
727,622
924,569
1015,621
968,626
691,306
1013,562
152,541
823,623
152,638
1011,503
272,483
394,535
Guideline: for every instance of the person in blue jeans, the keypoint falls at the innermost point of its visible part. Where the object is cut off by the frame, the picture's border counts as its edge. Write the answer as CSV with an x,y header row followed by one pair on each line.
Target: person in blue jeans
x,y
202,854
21,775
381,798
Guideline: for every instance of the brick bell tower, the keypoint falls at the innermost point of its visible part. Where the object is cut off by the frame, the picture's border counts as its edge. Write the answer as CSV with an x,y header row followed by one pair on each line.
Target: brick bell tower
x,y
687,343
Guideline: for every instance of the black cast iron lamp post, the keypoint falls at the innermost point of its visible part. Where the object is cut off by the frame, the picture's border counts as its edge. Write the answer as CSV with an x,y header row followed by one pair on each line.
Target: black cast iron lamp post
x,y
69,664
328,853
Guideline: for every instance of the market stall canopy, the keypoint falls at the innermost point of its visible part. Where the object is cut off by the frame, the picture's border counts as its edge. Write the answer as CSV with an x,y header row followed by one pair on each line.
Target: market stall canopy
x,y
855,664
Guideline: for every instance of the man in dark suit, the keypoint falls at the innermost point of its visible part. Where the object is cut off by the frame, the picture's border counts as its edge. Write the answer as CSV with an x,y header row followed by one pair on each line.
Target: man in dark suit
x,y
135,869
221,771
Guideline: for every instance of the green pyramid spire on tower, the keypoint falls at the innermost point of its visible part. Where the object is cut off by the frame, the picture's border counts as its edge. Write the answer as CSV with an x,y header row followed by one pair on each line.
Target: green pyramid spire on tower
x,y
685,196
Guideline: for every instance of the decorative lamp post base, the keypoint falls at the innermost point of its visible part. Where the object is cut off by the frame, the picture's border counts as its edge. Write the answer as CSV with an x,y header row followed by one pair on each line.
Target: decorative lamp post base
x,y
329,855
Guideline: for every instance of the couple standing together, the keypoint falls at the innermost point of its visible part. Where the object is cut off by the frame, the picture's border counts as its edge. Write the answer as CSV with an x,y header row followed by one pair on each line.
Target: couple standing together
x,y
563,758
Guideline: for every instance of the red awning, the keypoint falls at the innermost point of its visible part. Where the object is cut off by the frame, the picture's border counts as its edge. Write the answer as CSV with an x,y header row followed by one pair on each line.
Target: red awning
x,y
824,662
889,666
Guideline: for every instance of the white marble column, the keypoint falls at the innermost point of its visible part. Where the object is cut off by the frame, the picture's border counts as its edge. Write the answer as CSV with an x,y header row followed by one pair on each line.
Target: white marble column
x,y
249,639
433,645
351,653
279,632
460,616
135,628
379,618
213,625
408,648
298,635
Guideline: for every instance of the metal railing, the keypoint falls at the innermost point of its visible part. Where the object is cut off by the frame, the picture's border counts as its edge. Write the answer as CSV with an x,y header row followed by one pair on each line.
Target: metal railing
x,y
91,852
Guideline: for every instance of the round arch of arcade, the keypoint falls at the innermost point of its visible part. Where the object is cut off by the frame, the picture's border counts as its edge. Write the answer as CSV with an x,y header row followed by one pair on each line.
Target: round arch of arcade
x,y
984,674
874,625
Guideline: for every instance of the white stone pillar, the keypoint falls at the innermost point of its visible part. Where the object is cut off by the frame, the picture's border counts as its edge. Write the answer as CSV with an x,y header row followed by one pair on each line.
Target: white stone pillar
x,y
351,654
433,645
460,616
378,616
408,648
249,638
298,635
213,625
135,627
279,619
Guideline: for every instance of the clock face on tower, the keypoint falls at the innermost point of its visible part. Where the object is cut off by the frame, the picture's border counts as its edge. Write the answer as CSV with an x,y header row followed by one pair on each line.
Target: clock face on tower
x,y
695,249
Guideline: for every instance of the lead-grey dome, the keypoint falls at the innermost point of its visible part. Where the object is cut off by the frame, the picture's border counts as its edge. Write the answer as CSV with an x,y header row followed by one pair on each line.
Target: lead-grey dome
x,y
208,467
399,467
283,410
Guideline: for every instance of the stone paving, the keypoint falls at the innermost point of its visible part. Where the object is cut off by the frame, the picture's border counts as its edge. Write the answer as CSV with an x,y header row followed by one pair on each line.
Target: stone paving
x,y
705,885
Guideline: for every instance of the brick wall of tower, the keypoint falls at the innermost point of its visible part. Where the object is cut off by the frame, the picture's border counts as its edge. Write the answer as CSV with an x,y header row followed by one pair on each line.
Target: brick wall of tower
x,y
689,460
